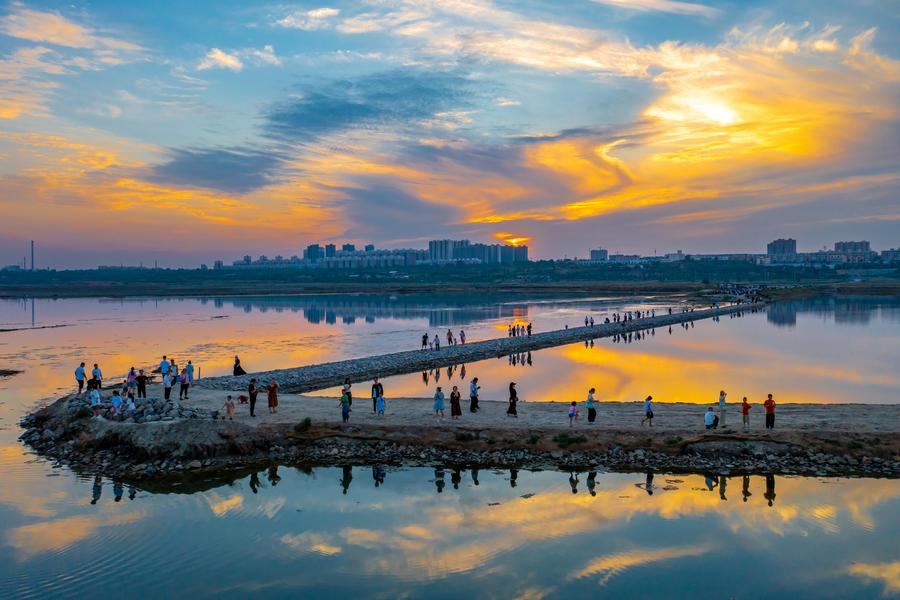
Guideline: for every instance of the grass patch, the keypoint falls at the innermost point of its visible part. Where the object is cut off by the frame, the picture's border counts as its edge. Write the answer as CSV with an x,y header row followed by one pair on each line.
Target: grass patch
x,y
303,425
509,441
855,445
564,440
875,442
465,436
491,441
533,439
673,441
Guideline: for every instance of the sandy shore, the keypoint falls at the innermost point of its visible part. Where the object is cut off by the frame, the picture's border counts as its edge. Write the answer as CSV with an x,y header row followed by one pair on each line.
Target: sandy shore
x,y
613,415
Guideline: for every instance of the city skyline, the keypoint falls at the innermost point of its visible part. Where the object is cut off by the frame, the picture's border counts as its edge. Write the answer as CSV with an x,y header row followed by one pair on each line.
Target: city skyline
x,y
180,137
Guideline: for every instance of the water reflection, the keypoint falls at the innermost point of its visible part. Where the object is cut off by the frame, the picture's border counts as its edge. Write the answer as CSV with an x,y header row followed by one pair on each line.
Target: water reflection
x,y
849,310
488,533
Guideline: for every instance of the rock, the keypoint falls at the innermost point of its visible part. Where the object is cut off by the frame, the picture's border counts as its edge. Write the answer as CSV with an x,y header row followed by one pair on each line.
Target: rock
x,y
195,464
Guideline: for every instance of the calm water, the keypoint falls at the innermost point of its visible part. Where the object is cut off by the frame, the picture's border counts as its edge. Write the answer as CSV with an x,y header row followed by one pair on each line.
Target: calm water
x,y
426,533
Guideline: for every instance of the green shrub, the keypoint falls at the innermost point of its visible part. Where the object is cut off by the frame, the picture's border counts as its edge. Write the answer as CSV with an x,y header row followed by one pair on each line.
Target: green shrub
x,y
563,440
533,439
465,436
303,425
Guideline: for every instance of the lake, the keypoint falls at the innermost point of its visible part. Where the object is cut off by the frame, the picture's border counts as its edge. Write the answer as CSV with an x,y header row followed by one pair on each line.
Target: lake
x,y
387,532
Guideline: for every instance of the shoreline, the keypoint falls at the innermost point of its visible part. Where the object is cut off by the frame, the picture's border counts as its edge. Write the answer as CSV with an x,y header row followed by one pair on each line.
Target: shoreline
x,y
830,440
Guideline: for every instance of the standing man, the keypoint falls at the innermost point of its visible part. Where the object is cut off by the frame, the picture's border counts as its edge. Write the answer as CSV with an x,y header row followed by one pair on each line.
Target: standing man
x,y
722,395
97,374
770,412
424,341
253,392
377,392
163,366
190,372
141,381
79,377
745,413
473,395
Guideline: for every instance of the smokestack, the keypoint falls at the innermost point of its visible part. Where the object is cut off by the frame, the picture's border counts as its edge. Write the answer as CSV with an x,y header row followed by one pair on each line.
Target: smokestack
x,y
32,255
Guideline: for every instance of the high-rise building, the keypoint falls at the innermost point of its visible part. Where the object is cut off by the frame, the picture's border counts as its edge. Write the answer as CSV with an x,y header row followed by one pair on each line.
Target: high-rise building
x,y
349,248
852,247
330,249
781,247
370,247
446,249
313,252
600,254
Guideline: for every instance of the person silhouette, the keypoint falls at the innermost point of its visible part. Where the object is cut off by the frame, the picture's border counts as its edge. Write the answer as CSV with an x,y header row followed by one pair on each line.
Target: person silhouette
x,y
513,475
97,489
573,481
592,482
723,481
745,489
455,478
273,475
118,490
254,482
475,476
770,489
648,483
378,474
346,478
439,482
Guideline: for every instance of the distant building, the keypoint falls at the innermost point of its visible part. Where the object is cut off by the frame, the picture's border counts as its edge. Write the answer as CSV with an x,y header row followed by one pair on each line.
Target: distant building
x,y
370,248
852,247
313,252
445,250
348,248
330,249
625,259
781,247
600,254
218,264
674,256
890,256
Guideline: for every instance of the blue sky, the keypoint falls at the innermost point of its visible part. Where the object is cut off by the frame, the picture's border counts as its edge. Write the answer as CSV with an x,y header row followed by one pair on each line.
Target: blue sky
x,y
185,132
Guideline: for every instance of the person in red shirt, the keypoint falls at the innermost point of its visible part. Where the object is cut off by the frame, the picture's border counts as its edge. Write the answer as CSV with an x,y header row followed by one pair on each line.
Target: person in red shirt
x,y
745,413
770,412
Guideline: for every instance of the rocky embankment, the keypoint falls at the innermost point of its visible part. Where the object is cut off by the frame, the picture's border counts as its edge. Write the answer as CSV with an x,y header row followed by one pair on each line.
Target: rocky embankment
x,y
179,440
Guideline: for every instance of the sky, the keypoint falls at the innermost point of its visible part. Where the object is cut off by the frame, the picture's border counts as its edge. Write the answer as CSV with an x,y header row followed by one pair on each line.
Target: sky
x,y
184,132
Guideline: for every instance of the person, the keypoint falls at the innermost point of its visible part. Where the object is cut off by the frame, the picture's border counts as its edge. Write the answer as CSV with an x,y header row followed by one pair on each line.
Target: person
x,y
710,419
439,402
141,381
130,407
449,338
528,329
185,385
164,366
229,408
573,413
437,342
252,392
462,336
722,395
745,413
377,392
586,321
473,395
80,377
190,372
455,409
238,369
345,389
770,412
770,489
591,408
592,321
345,407
648,411
168,381
424,341
379,406
95,401
745,488
513,399
116,401
97,374
272,389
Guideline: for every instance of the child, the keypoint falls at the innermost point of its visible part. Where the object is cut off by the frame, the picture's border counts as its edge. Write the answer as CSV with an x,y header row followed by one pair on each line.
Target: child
x,y
130,407
439,403
745,413
345,407
573,413
229,408
95,401
379,405
116,402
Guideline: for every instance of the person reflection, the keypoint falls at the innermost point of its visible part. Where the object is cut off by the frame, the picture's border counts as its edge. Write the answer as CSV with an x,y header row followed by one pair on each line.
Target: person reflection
x,y
475,475
528,359
711,482
745,490
648,483
425,377
439,480
462,372
132,492
254,482
455,478
723,481
513,475
592,482
573,481
98,489
118,490
273,475
378,474
770,489
346,478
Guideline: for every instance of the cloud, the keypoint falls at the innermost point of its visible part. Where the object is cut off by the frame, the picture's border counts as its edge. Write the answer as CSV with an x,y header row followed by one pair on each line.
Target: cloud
x,y
219,59
232,170
886,573
309,20
506,102
666,6
53,28
265,55
370,102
